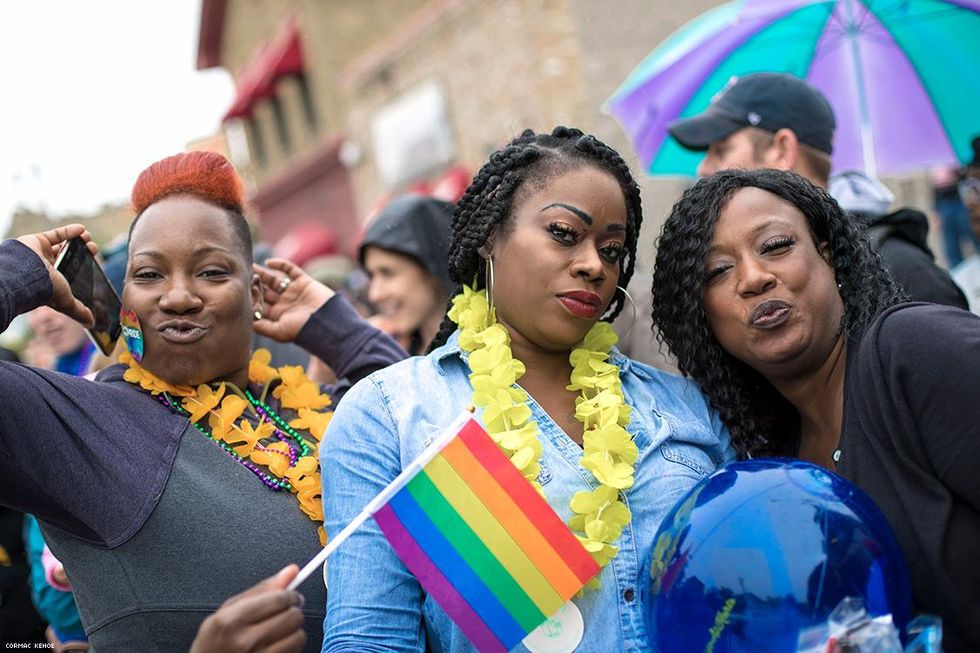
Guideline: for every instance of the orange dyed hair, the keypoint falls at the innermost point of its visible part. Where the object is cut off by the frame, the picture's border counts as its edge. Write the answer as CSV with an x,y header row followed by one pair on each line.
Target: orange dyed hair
x,y
205,175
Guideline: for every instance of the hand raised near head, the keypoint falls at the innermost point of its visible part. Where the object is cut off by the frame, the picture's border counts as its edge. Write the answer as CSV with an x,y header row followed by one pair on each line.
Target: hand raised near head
x,y
47,245
290,296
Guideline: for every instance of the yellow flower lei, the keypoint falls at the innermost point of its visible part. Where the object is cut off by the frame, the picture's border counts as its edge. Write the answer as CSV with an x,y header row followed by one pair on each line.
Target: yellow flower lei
x,y
296,391
609,452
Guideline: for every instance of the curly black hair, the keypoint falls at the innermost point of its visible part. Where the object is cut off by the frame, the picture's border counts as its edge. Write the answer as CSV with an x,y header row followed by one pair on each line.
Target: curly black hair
x,y
759,418
528,162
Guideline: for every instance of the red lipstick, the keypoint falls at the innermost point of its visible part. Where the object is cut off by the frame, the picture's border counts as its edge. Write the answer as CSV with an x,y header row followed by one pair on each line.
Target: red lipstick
x,y
581,303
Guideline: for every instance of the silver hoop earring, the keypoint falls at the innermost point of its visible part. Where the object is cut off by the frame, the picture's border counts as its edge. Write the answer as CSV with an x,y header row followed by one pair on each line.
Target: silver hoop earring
x,y
489,285
632,310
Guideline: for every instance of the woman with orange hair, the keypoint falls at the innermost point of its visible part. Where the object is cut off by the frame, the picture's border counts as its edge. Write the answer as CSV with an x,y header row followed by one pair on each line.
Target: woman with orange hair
x,y
192,466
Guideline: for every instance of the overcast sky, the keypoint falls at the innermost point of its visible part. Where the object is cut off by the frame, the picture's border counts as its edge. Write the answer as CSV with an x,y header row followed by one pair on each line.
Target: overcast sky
x,y
95,90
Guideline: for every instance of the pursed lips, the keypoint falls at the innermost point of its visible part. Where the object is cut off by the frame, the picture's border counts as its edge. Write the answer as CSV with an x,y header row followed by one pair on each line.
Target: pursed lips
x,y
181,332
770,314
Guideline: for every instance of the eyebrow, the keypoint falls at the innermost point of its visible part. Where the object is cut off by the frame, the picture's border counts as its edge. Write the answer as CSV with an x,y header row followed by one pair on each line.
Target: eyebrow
x,y
585,217
200,251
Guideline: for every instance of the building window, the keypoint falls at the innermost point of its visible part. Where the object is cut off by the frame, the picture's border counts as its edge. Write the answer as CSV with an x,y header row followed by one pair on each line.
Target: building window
x,y
282,128
306,97
412,135
255,140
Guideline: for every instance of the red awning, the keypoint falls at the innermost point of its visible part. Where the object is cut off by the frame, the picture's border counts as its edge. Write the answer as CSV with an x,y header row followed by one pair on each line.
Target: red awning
x,y
280,57
306,241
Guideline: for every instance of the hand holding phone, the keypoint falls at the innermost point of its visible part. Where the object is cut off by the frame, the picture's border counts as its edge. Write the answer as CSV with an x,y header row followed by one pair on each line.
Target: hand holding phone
x,y
89,285
47,245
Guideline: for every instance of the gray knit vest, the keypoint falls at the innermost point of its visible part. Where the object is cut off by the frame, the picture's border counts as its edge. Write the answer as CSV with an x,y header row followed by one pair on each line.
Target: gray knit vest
x,y
215,531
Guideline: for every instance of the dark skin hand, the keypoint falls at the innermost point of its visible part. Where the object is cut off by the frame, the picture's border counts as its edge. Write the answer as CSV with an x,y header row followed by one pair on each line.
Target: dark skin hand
x,y
47,245
284,313
265,618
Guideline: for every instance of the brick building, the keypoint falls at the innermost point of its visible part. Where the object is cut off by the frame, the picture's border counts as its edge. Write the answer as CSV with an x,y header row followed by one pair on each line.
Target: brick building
x,y
344,103
347,102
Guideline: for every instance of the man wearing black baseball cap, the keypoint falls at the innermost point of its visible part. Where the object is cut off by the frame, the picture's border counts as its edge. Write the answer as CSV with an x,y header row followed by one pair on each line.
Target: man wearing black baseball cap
x,y
763,120
775,120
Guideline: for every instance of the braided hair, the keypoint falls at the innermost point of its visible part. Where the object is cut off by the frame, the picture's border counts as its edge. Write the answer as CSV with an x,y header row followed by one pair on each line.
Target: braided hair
x,y
530,161
758,417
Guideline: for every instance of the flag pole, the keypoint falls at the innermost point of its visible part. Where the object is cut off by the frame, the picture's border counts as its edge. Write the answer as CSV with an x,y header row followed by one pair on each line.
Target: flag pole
x,y
384,496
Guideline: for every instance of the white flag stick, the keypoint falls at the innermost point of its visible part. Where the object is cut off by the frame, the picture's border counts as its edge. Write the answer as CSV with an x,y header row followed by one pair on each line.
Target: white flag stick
x,y
384,496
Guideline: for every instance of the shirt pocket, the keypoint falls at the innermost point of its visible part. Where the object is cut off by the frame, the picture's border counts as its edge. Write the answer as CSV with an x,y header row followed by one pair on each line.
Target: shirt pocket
x,y
688,442
693,458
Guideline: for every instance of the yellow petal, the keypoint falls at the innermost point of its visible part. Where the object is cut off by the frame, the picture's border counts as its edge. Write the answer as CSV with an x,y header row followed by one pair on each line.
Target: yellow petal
x,y
312,421
304,395
259,370
203,401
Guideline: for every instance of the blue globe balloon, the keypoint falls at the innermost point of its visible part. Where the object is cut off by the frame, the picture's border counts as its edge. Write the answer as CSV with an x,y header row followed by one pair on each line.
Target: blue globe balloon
x,y
763,549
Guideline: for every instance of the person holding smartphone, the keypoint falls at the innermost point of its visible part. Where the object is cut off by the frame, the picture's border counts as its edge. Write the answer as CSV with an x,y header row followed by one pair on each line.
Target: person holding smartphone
x,y
187,473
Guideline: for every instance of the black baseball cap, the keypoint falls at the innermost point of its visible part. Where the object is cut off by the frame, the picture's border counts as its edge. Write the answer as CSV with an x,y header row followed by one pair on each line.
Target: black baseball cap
x,y
975,144
769,101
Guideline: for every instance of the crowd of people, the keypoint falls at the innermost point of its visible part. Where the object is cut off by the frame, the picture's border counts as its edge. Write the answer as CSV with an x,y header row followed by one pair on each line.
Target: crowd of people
x,y
173,488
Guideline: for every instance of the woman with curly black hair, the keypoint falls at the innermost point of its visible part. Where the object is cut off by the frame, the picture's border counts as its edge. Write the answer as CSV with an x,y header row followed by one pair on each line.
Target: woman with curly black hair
x,y
775,305
542,239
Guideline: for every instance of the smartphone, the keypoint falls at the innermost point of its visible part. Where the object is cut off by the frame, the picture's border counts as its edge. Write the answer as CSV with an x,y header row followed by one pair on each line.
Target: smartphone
x,y
90,286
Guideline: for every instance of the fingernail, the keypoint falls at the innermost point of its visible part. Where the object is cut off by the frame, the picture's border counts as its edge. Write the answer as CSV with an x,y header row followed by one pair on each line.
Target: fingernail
x,y
302,600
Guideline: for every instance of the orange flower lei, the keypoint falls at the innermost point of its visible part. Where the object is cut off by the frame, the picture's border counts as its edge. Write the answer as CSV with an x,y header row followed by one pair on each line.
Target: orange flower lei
x,y
224,410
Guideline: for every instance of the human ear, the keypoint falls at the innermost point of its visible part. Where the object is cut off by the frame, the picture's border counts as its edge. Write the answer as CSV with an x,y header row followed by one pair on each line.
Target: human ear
x,y
784,153
824,249
256,291
486,249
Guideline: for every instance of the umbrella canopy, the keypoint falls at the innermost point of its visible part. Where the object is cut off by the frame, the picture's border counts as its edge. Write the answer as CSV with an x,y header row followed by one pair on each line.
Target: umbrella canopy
x,y
903,77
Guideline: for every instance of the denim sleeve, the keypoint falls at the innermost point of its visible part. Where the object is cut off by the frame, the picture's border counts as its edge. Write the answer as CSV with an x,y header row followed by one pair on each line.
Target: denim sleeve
x,y
373,602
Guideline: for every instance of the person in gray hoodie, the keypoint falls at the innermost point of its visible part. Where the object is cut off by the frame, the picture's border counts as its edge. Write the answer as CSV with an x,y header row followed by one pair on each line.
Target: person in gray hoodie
x,y
405,252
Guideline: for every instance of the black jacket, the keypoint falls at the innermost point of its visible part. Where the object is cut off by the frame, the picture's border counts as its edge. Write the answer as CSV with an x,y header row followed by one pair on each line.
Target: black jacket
x,y
900,239
908,439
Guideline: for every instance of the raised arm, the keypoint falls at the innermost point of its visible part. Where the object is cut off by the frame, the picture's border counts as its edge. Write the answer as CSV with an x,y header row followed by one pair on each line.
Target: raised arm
x,y
28,278
300,309
40,448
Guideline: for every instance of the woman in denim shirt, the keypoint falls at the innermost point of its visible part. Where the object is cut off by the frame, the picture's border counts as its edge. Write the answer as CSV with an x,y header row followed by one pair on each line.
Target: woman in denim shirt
x,y
557,217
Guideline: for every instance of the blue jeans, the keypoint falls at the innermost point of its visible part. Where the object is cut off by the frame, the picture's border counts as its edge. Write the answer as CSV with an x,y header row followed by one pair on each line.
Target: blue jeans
x,y
956,229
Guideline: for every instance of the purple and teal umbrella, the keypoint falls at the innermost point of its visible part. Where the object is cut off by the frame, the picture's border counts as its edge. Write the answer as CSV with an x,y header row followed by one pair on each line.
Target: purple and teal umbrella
x,y
903,77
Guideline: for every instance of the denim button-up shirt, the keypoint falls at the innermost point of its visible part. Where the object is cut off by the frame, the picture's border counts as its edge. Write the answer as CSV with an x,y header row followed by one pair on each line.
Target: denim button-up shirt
x,y
375,604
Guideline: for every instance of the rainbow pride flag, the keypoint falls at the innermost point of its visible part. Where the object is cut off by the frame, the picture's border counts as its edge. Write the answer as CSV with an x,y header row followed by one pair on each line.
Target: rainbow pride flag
x,y
481,540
